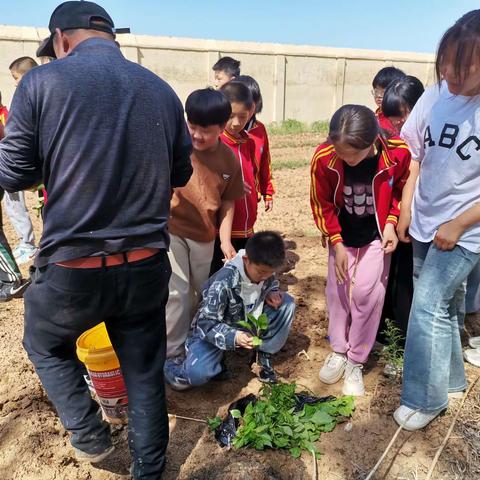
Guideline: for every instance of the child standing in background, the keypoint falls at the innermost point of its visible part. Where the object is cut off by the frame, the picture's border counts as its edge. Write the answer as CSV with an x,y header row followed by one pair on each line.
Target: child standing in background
x,y
258,133
15,206
198,209
380,82
226,69
357,179
235,137
398,101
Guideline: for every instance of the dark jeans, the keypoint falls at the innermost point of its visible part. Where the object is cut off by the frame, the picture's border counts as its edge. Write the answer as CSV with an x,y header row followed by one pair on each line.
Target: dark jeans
x,y
217,263
399,294
60,305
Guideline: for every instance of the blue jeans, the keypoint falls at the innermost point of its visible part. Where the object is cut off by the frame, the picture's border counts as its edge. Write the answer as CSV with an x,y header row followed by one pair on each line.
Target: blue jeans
x,y
130,298
433,363
203,361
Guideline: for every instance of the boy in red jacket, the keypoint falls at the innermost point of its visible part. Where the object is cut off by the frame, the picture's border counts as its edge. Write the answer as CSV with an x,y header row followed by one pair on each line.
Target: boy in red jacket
x,y
235,137
356,187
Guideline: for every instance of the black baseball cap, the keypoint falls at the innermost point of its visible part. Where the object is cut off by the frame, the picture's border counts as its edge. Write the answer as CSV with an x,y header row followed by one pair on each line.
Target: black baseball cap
x,y
73,15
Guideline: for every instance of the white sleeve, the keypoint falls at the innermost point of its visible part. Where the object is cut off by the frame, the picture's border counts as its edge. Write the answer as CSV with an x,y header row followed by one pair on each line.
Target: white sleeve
x,y
413,131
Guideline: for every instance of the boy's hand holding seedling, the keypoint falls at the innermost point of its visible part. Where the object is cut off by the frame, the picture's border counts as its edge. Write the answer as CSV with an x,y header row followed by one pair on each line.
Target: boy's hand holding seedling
x,y
244,340
274,299
255,327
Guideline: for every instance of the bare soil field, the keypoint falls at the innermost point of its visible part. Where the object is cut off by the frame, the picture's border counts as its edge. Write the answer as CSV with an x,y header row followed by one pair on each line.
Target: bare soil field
x,y
34,445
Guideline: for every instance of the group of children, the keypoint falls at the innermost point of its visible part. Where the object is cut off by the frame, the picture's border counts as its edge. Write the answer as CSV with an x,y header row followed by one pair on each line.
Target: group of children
x,y
222,272
410,174
395,195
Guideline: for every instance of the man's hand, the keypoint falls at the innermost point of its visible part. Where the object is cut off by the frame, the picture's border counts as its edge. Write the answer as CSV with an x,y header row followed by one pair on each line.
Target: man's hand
x,y
268,204
390,239
243,340
402,227
341,262
228,250
274,299
448,234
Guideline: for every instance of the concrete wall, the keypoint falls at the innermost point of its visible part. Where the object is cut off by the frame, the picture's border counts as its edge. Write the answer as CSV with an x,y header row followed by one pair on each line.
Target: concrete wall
x,y
306,83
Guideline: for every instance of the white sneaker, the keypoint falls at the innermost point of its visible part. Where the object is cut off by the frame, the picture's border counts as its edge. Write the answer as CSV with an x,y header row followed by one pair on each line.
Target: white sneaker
x,y
474,342
411,420
333,368
472,355
353,383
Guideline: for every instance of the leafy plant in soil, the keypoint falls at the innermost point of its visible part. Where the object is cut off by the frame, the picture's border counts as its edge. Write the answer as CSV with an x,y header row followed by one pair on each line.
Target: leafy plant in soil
x,y
275,420
255,326
392,353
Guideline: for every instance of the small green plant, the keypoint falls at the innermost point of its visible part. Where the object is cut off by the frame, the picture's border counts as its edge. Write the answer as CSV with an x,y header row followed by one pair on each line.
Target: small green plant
x,y
392,353
320,126
273,420
255,326
214,422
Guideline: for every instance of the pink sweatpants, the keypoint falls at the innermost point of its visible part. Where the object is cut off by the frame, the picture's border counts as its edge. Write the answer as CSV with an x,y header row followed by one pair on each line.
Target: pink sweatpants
x,y
355,307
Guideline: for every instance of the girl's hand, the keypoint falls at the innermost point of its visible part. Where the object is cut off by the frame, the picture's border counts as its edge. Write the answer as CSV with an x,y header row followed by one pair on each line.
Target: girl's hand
x,y
228,250
274,299
448,234
324,241
247,188
243,340
341,262
390,239
402,227
268,204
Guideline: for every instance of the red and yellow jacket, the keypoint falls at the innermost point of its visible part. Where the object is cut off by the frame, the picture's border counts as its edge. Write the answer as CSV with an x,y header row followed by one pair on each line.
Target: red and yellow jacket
x,y
3,115
263,161
385,123
245,214
326,188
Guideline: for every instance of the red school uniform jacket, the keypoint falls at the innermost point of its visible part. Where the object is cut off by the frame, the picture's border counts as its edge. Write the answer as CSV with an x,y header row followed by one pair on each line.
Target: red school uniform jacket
x,y
326,197
385,123
3,115
262,160
245,208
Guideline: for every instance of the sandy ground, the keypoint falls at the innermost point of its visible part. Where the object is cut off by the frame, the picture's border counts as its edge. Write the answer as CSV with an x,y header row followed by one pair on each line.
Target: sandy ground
x,y
34,445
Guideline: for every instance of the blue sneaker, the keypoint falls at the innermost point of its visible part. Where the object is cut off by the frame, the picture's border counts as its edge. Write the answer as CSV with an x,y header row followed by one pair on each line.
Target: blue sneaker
x,y
174,373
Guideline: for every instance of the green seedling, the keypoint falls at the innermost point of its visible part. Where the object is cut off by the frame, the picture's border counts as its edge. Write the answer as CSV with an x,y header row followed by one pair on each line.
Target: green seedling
x,y
392,353
214,422
272,421
255,326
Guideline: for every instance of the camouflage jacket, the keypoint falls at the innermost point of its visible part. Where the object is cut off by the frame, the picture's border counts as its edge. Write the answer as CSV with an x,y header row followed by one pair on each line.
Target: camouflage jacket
x,y
222,307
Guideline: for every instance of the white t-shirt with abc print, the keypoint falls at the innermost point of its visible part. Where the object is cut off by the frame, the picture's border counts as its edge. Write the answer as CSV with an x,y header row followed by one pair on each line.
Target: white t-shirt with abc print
x,y
443,133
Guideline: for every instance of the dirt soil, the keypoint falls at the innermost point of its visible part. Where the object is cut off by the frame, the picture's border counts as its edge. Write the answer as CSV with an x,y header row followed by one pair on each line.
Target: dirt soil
x,y
34,445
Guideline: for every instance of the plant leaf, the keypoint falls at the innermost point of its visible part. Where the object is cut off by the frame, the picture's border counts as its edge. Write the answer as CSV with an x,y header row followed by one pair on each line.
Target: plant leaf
x,y
256,342
235,413
244,324
214,422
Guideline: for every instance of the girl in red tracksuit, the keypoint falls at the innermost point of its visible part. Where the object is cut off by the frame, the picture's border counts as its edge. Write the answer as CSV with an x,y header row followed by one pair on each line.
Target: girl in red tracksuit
x,y
258,133
357,179
243,146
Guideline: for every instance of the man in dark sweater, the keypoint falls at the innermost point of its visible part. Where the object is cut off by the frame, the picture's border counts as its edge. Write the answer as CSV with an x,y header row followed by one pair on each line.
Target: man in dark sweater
x,y
109,141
